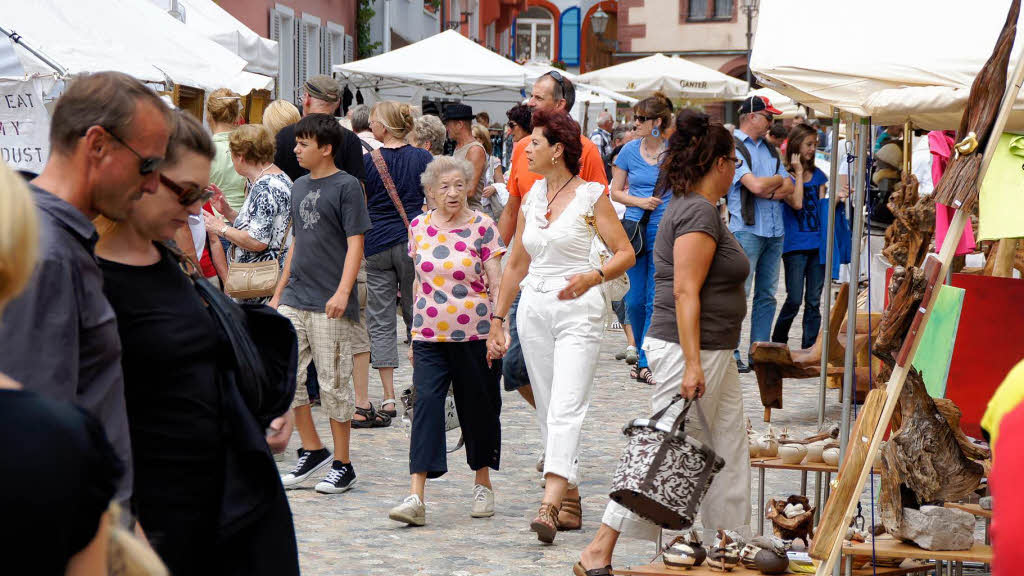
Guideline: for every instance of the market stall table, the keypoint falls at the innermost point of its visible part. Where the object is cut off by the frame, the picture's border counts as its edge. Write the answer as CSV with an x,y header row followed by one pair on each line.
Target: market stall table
x,y
659,569
888,547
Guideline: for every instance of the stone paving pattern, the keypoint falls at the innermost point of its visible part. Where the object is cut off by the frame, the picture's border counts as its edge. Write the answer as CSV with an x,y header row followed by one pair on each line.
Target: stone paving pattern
x,y
350,534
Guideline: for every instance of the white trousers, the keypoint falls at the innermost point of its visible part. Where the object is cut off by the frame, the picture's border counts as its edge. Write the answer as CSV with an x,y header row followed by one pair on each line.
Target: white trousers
x,y
561,340
726,506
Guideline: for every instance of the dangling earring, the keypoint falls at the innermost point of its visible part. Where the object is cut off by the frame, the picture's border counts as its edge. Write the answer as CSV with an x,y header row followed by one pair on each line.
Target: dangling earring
x,y
655,132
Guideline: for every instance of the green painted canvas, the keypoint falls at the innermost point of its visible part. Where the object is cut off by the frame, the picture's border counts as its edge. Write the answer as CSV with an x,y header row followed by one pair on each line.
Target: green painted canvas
x,y
935,352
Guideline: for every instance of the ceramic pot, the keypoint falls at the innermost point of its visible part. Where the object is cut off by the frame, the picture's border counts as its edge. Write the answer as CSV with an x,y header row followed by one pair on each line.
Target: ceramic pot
x,y
684,555
769,445
747,555
814,450
792,453
724,558
753,447
831,456
769,562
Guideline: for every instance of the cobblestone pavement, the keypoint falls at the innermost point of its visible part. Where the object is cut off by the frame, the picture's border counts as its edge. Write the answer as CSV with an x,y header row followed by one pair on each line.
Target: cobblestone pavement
x,y
351,534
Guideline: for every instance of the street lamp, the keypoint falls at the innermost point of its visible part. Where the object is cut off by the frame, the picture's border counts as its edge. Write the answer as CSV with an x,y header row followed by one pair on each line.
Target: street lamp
x,y
749,8
599,23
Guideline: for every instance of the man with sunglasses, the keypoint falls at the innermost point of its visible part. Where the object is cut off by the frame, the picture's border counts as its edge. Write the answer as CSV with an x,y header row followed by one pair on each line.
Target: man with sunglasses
x,y
108,136
755,213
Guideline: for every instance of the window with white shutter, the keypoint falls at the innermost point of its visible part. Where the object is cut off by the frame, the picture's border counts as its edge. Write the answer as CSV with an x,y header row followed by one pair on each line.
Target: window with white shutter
x,y
282,29
334,46
349,48
309,42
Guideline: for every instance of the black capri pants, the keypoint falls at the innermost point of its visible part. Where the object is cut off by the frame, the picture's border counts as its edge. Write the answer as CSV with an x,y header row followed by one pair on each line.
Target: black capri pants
x,y
463,365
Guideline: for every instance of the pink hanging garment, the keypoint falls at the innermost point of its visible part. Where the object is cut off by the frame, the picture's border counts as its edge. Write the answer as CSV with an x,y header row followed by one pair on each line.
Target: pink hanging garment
x,y
940,143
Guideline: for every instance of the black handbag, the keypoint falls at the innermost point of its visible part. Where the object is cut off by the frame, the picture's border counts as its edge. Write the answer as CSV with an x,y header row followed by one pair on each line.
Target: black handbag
x,y
635,231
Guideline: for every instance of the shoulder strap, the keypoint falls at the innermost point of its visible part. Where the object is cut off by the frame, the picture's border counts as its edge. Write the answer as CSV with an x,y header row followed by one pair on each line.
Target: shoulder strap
x,y
385,176
366,145
742,149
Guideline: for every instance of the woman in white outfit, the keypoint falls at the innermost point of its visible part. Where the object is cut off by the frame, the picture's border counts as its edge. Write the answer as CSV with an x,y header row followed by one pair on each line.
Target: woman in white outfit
x,y
560,319
699,305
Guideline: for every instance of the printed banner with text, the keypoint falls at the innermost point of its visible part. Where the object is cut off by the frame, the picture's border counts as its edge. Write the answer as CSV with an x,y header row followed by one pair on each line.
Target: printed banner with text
x,y
24,125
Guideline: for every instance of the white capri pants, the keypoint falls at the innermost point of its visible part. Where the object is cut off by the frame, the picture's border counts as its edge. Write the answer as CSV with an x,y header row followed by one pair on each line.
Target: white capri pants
x,y
561,340
726,506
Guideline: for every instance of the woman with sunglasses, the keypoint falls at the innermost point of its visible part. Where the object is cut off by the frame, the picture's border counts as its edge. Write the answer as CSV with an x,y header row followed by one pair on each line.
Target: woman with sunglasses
x,y
185,443
633,178
260,227
699,307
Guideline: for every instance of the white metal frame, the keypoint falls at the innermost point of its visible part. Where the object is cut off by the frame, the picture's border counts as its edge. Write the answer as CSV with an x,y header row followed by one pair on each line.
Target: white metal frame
x,y
533,22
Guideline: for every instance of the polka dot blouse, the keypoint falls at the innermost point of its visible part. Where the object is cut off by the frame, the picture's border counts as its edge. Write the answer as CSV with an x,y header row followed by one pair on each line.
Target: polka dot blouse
x,y
452,303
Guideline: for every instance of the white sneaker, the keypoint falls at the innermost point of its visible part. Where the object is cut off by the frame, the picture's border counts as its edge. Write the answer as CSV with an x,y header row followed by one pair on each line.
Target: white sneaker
x,y
411,511
483,502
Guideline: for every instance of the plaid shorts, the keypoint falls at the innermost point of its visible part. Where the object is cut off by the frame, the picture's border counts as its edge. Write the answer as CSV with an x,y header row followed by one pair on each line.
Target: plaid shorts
x,y
328,343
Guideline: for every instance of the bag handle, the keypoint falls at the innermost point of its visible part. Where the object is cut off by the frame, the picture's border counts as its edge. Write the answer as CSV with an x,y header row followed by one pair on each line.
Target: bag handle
x,y
389,184
679,425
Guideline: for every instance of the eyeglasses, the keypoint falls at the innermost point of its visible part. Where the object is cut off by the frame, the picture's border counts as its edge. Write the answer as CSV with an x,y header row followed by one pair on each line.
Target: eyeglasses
x,y
511,124
767,117
642,119
187,196
147,165
557,77
738,161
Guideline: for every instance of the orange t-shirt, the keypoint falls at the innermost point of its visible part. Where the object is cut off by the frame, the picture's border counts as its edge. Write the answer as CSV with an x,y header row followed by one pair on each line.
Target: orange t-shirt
x,y
520,179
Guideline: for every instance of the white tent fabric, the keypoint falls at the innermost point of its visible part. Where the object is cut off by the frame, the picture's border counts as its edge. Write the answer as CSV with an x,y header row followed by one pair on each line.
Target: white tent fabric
x,y
535,70
212,21
130,36
893,77
446,62
675,77
782,103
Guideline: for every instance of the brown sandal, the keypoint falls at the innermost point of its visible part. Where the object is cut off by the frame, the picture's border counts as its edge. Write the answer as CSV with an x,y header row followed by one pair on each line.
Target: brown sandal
x,y
579,570
570,515
546,523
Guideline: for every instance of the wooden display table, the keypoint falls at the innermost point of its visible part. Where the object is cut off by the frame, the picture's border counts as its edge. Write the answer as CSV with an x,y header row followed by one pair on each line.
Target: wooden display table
x,y
975,509
774,463
659,569
888,547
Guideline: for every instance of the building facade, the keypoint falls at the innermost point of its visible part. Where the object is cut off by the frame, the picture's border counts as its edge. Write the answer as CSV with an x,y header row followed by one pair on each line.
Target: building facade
x,y
313,35
398,23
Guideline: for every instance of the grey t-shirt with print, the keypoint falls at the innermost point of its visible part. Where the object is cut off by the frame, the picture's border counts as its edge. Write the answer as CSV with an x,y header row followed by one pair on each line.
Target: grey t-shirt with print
x,y
325,212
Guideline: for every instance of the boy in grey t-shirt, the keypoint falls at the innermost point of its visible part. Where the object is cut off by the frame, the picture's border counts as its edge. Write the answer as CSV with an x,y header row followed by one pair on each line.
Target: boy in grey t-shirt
x,y
316,292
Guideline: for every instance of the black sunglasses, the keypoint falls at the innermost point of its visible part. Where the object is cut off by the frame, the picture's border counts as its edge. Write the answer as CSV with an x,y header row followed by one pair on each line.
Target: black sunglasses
x,y
642,119
557,76
187,196
738,161
146,165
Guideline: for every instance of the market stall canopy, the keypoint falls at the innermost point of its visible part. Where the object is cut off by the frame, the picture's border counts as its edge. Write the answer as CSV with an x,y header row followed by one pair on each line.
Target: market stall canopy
x,y
214,22
446,62
130,36
890,76
591,93
675,77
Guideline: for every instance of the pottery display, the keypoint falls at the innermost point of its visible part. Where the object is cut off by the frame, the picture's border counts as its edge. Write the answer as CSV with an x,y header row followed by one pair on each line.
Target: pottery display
x,y
753,447
814,450
685,552
792,453
726,555
747,555
769,444
831,456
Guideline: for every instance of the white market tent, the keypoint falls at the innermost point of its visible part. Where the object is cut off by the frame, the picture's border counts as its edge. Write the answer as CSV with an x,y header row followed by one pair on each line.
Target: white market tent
x,y
130,36
675,77
447,62
584,92
921,77
215,23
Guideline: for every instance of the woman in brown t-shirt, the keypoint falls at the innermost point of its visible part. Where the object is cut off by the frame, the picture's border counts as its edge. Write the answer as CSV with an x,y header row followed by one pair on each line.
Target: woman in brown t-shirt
x,y
699,306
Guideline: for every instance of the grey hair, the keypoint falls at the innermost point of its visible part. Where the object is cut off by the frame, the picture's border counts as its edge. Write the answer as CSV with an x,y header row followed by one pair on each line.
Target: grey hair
x,y
428,128
442,165
360,118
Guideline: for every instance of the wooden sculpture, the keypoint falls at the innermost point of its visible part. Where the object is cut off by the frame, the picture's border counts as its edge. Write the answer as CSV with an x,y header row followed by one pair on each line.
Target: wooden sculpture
x,y
908,238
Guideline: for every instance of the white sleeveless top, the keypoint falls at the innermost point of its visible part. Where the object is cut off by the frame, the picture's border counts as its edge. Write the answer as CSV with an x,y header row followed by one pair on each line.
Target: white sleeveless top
x,y
563,248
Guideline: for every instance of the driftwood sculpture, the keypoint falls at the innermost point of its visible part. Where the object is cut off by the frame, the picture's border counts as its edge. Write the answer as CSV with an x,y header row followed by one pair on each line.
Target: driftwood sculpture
x,y
959,185
799,527
908,238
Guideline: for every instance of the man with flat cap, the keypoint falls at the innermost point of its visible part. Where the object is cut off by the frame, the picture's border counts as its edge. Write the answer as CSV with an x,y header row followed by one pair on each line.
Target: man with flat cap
x,y
321,95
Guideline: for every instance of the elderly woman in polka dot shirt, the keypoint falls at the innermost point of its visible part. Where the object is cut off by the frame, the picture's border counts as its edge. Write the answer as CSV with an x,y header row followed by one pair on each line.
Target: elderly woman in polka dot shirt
x,y
457,256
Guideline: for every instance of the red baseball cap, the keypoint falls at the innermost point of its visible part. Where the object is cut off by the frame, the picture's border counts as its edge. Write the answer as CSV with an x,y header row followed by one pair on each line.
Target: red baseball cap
x,y
758,104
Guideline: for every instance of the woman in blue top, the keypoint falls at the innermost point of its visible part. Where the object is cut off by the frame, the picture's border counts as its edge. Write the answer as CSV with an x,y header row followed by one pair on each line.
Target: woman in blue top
x,y
389,268
633,178
804,219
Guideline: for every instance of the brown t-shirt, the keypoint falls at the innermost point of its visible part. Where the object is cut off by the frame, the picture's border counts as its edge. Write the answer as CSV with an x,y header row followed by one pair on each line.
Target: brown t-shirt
x,y
723,303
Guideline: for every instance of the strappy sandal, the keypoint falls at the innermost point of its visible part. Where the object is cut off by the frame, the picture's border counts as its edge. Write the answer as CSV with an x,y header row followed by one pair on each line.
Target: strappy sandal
x,y
634,373
579,570
546,523
373,418
393,413
645,376
570,514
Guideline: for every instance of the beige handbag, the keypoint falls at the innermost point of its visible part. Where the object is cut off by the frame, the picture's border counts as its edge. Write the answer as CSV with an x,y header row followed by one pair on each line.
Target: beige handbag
x,y
254,279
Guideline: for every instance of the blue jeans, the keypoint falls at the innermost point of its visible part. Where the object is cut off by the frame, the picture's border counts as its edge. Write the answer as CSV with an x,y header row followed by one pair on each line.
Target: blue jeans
x,y
513,366
765,255
805,277
640,298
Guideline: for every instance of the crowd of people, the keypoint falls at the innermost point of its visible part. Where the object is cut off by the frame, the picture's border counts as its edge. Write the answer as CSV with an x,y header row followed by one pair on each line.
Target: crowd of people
x,y
169,399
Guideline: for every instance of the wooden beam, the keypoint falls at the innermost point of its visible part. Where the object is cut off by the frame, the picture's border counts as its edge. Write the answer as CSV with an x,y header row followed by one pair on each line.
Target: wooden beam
x,y
1007,249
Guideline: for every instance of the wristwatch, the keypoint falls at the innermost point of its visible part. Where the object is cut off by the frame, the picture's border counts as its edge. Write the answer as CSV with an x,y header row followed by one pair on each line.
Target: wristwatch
x,y
224,230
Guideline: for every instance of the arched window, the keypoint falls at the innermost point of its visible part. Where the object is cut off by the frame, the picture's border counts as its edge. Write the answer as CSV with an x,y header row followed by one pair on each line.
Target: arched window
x,y
534,31
569,37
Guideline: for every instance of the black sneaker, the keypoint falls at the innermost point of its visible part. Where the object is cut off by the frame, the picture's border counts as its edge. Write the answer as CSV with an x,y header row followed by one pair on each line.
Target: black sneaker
x,y
309,462
341,478
741,367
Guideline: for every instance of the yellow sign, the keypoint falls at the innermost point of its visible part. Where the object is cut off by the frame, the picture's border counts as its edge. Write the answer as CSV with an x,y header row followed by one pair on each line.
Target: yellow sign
x,y
1001,206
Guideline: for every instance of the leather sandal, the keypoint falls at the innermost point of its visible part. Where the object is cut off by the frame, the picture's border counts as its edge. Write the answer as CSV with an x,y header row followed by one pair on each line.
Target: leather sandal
x,y
579,570
393,412
546,523
373,418
570,514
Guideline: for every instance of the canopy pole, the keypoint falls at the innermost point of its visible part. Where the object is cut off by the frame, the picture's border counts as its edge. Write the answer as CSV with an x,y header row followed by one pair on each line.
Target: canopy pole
x,y
908,145
17,39
863,142
833,182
